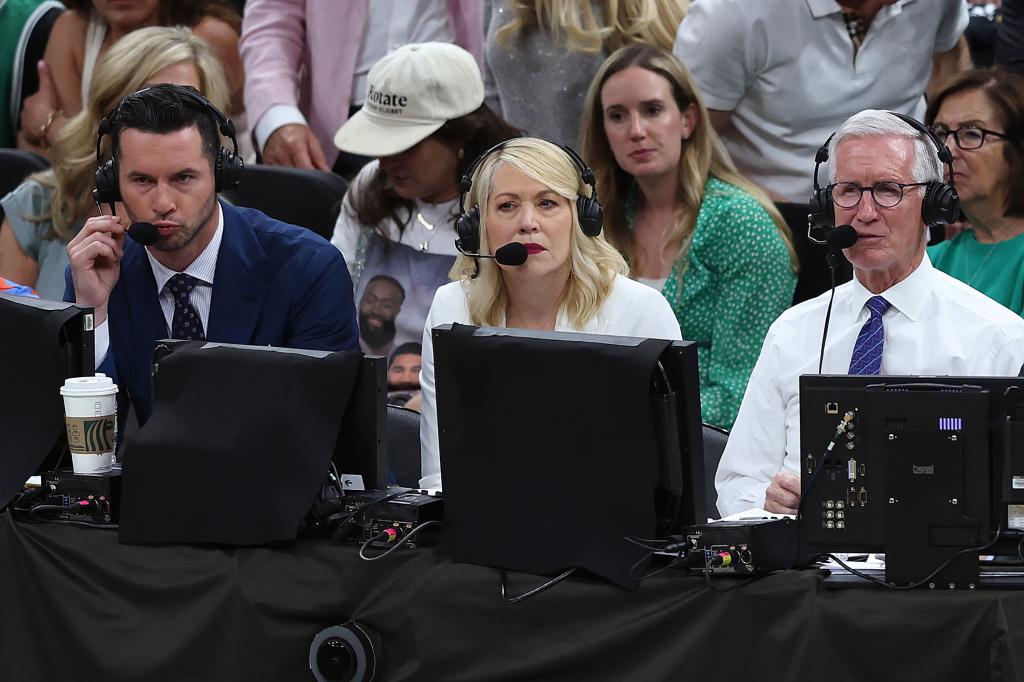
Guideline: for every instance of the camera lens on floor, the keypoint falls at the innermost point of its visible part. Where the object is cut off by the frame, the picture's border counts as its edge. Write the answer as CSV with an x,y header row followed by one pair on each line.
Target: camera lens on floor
x,y
344,653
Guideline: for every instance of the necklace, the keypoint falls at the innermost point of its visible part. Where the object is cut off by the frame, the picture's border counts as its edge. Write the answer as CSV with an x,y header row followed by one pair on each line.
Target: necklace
x,y
967,268
429,227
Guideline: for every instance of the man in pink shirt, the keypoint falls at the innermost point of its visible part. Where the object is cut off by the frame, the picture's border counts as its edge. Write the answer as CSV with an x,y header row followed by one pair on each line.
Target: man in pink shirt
x,y
306,62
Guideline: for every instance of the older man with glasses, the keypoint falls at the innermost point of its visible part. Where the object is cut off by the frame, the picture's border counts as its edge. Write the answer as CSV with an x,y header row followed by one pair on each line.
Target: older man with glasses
x,y
898,315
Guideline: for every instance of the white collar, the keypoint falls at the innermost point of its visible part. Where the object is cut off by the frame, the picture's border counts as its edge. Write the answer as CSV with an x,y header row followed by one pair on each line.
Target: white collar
x,y
909,296
823,8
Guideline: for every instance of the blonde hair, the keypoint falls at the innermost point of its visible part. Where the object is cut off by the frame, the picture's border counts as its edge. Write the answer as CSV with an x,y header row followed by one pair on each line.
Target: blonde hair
x,y
127,66
625,21
703,155
593,262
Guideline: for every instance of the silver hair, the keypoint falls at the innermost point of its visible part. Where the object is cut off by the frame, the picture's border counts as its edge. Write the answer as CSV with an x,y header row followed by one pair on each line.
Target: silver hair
x,y
875,123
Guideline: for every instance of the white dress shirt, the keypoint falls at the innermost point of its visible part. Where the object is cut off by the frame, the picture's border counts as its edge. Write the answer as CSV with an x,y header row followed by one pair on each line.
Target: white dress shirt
x,y
937,325
202,268
631,309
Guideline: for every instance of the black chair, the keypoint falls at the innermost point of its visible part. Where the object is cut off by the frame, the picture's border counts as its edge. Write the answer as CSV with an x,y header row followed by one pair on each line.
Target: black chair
x,y
15,166
35,33
814,277
309,198
715,439
403,431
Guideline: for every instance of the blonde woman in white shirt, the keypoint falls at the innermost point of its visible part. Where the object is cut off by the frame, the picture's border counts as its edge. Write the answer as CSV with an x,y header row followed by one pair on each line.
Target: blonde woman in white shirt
x,y
526,191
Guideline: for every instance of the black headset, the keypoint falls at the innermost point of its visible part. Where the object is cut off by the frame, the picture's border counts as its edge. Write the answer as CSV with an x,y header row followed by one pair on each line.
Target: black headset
x,y
228,166
940,206
467,227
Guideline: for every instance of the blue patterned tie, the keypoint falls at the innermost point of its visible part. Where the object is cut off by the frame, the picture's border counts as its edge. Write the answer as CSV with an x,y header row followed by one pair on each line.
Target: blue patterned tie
x,y
186,323
867,352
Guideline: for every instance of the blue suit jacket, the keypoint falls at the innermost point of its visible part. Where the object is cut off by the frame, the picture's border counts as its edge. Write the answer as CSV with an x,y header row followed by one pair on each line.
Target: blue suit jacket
x,y
275,285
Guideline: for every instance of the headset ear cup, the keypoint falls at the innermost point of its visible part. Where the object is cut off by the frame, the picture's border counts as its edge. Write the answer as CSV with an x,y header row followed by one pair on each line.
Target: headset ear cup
x,y
228,173
467,227
591,215
822,214
941,204
107,190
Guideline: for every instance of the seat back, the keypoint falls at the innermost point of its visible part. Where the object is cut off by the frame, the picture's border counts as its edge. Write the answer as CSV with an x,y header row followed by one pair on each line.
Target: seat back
x,y
308,198
715,439
15,166
403,430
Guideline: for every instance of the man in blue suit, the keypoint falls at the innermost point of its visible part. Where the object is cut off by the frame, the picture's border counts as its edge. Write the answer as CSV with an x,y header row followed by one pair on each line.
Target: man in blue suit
x,y
215,272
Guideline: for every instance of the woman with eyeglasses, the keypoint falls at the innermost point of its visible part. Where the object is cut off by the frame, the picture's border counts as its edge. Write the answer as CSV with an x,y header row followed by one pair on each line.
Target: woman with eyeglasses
x,y
980,116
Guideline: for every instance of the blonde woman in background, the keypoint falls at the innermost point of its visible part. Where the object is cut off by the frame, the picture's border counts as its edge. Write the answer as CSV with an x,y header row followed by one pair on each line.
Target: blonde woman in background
x,y
46,211
526,192
83,35
688,223
540,55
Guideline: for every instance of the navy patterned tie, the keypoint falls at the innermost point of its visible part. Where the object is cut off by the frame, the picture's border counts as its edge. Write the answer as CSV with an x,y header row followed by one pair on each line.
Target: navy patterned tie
x,y
867,352
186,323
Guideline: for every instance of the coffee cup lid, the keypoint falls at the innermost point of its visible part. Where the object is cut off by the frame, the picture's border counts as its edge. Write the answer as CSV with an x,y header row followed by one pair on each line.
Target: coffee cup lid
x,y
100,384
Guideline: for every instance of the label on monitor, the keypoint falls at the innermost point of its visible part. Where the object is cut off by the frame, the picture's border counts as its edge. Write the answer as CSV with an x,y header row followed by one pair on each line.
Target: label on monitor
x,y
1018,482
1015,516
355,482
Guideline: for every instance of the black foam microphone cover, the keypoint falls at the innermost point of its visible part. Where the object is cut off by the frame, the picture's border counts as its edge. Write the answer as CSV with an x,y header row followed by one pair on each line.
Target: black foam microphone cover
x,y
144,233
843,237
512,253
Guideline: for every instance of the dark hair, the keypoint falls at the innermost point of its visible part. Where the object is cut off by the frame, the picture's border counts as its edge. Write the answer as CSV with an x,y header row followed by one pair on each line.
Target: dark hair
x,y
390,280
163,109
1005,92
181,12
472,135
407,348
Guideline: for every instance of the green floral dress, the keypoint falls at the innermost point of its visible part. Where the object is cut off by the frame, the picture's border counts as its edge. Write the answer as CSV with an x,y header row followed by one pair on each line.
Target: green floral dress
x,y
737,279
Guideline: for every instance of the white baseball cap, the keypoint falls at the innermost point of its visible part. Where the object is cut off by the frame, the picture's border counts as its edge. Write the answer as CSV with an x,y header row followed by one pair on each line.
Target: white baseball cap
x,y
410,93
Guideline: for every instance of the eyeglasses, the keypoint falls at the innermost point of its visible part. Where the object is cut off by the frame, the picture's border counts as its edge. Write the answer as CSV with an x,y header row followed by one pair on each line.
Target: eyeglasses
x,y
967,137
886,194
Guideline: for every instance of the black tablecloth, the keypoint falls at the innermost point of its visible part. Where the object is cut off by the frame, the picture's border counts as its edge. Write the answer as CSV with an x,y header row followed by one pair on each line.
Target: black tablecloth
x,y
75,605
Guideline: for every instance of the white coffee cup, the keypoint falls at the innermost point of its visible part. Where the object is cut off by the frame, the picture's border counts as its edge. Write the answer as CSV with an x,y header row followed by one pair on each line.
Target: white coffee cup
x,y
90,412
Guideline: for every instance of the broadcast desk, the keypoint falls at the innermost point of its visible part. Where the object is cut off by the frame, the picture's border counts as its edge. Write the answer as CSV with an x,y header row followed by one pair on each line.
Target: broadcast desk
x,y
76,606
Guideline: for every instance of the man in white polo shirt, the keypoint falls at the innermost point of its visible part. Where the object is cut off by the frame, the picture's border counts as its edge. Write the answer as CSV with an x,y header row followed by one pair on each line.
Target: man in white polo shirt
x,y
780,75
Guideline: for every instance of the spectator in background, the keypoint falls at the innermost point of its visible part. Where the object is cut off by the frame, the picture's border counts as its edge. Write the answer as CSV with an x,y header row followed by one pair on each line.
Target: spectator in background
x,y
426,122
779,76
84,34
404,373
540,57
308,63
980,116
24,27
688,224
48,209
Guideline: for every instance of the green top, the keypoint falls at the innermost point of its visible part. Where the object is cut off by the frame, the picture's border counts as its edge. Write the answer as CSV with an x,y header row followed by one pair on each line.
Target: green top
x,y
738,278
996,270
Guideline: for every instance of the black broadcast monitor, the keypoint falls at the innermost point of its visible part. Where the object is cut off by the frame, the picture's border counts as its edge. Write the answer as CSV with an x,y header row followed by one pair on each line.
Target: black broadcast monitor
x,y
923,469
243,438
42,343
556,446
